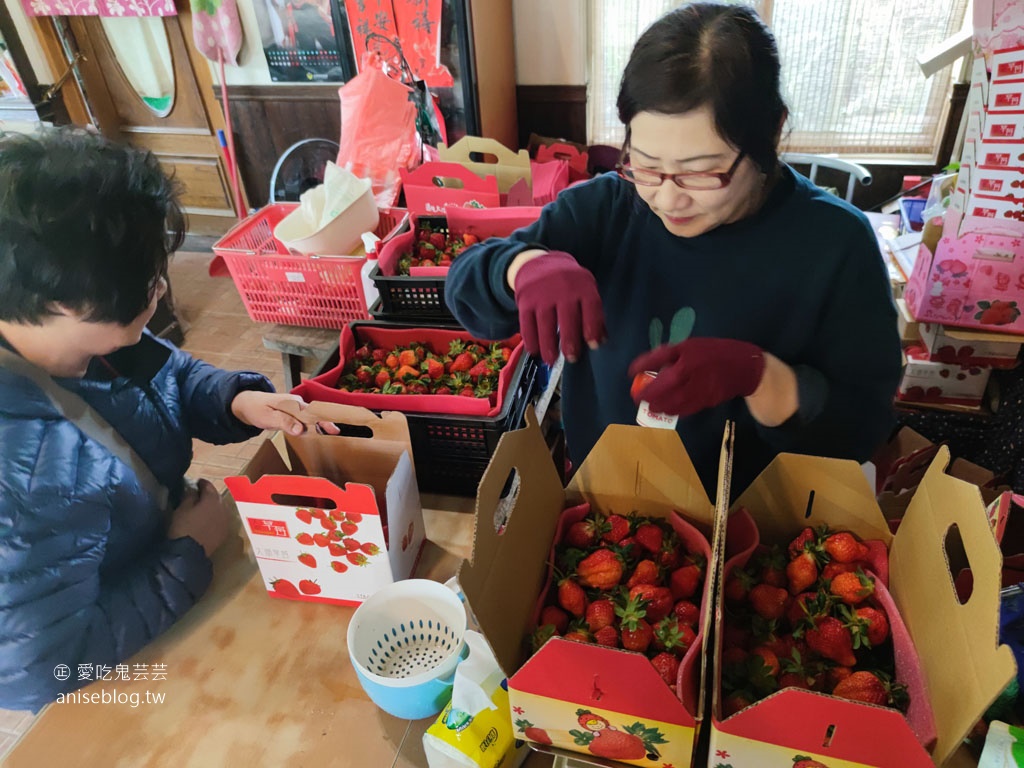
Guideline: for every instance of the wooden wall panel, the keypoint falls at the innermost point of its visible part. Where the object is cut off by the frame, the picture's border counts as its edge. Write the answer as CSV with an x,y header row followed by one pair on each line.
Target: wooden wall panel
x,y
268,119
558,111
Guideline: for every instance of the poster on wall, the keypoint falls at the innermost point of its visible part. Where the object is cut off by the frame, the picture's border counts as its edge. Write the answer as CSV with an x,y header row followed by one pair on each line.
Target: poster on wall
x,y
305,41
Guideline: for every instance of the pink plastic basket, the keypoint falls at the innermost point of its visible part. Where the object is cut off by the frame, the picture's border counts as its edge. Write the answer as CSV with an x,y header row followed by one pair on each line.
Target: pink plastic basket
x,y
280,286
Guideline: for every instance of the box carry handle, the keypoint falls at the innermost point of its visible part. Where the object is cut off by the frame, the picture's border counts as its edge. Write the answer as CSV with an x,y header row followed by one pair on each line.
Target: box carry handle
x,y
426,174
461,150
352,496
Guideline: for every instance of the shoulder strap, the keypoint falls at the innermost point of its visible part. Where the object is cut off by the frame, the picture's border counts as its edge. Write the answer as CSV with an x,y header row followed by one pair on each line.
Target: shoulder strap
x,y
88,420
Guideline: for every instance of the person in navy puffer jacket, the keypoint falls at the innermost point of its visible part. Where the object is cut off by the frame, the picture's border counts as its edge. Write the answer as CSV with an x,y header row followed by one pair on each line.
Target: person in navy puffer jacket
x,y
91,566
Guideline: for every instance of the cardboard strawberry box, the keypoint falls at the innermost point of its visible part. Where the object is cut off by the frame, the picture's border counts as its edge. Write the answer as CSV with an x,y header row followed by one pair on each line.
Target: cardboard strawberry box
x,y
332,519
970,348
930,381
961,668
592,701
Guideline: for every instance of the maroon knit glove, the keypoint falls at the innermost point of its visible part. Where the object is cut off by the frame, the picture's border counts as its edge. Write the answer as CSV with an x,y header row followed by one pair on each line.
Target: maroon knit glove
x,y
557,297
698,373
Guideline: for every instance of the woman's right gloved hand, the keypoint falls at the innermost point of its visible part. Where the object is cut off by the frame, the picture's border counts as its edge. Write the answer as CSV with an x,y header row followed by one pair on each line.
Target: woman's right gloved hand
x,y
558,297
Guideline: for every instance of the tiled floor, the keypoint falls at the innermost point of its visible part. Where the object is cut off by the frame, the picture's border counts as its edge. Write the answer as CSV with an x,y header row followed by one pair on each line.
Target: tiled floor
x,y
219,331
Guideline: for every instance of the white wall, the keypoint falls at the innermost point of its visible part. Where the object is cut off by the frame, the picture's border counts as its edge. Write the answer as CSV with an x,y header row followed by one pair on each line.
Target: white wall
x,y
551,42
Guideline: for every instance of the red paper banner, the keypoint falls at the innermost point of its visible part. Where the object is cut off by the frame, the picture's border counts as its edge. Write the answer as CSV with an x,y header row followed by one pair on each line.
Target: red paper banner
x,y
415,24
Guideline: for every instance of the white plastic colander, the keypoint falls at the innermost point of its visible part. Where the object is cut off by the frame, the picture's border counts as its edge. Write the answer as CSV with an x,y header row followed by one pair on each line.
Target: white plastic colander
x,y
405,642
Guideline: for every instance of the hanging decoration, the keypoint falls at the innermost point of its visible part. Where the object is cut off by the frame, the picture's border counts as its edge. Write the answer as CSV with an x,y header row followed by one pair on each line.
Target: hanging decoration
x,y
415,23
111,8
217,30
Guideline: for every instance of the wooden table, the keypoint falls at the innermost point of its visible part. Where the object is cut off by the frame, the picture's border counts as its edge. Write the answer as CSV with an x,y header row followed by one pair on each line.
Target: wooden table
x,y
251,681
295,343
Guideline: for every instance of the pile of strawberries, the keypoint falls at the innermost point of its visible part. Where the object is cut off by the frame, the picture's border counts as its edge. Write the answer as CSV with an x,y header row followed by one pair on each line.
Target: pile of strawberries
x,y
434,247
465,368
805,617
626,582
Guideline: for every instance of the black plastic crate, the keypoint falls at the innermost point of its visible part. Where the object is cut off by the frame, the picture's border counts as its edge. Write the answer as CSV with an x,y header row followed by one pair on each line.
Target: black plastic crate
x,y
451,452
409,299
377,313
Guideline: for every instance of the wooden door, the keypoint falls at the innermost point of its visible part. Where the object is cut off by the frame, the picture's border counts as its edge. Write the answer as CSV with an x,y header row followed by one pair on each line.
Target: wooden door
x,y
182,133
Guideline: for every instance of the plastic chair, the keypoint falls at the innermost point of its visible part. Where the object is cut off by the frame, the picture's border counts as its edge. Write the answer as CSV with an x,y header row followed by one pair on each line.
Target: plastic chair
x,y
857,173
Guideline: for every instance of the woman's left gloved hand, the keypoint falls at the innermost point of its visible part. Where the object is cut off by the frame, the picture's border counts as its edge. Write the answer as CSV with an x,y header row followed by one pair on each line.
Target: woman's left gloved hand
x,y
698,373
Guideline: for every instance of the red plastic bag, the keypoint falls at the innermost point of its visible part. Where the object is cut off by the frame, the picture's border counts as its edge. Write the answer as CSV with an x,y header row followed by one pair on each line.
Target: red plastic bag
x,y
378,130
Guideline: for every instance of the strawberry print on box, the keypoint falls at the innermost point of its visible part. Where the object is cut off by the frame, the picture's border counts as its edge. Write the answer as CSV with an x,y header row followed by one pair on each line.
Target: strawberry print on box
x,y
972,281
933,381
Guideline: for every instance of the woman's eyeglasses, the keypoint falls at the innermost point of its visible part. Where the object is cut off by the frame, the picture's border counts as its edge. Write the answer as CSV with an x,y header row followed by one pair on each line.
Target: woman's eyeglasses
x,y
645,177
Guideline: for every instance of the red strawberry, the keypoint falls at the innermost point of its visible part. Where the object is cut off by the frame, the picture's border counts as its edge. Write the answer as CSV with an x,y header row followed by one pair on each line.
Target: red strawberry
x,y
617,745
335,535
482,368
646,572
434,368
284,587
804,605
338,566
571,597
686,613
541,635
351,544
769,602
630,548
852,588
668,667
320,539
329,523
734,657
685,581
659,600
304,515
878,624
336,514
335,549
348,528
437,240
773,567
406,372
382,378
735,702
618,529
802,572
308,587
532,733
408,357
801,542
556,617
602,569
364,375
391,361
305,539
369,549
671,636
584,533
862,686
844,548
649,536
307,559
769,659
462,362
607,636
834,675
578,633
356,558
470,239
831,570
636,633
829,638
600,614
802,761
317,513
355,517
738,585
379,355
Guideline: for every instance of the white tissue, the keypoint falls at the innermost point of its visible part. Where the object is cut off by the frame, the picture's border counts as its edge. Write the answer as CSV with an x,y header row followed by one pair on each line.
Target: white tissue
x,y
476,677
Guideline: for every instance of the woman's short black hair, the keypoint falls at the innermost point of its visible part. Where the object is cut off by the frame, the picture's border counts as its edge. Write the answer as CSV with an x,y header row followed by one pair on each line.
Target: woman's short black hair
x,y
721,56
85,223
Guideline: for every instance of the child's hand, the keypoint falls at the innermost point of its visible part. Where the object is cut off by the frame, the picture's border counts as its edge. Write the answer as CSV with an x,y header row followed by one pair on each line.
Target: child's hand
x,y
202,516
262,409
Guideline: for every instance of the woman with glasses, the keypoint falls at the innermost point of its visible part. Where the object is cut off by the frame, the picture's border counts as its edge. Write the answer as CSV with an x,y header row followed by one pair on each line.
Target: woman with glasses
x,y
753,295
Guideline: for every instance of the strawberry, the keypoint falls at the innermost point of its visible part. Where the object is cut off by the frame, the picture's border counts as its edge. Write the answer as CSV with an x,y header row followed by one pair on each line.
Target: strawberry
x,y
829,638
444,389
684,581
462,362
659,600
433,368
364,375
305,539
868,626
804,605
630,548
601,569
408,357
802,761
335,535
369,549
646,572
844,548
734,657
578,633
541,635
686,613
571,597
382,378
607,636
339,567
831,570
636,633
532,733
735,702
307,559
320,539
801,543
769,602
833,675
356,558
617,745
437,240
284,588
668,667
769,659
407,372
738,585
335,549
354,517
673,637
584,533
304,515
649,536
470,239
364,352
600,614
348,527
483,368
862,686
392,362
329,523
350,544
618,529
773,567
317,513
556,617
796,674
802,572
308,587
852,588
379,355
338,515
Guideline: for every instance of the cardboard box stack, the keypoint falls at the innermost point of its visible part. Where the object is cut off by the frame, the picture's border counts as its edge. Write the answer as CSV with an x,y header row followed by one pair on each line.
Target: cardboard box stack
x,y
567,694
